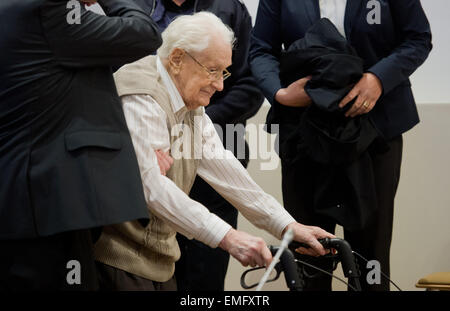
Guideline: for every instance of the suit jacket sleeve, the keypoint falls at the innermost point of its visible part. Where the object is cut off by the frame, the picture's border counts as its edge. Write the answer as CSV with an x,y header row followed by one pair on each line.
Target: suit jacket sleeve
x,y
241,98
414,30
123,36
265,49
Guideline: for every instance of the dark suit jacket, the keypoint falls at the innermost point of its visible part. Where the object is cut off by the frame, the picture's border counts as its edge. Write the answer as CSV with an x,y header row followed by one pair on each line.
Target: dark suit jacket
x,y
392,50
241,97
66,157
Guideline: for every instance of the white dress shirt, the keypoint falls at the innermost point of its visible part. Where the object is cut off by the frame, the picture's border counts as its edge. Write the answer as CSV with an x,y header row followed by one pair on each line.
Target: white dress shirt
x,y
334,10
146,121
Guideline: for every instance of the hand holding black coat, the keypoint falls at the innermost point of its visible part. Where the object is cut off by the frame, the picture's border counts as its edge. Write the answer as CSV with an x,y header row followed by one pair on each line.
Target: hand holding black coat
x,y
337,145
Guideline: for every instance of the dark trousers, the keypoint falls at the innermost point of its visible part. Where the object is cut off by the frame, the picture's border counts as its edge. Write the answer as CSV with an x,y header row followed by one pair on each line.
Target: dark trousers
x,y
201,267
57,262
374,241
114,279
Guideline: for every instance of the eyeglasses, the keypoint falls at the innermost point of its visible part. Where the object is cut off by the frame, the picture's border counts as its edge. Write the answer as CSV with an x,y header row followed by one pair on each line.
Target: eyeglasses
x,y
212,74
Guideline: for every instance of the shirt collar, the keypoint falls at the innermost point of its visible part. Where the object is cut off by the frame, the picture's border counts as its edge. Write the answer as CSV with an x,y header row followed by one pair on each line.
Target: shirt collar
x,y
171,6
175,97
159,11
166,10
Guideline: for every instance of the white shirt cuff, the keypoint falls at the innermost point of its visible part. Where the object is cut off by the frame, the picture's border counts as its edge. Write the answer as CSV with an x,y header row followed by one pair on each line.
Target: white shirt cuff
x,y
279,221
214,232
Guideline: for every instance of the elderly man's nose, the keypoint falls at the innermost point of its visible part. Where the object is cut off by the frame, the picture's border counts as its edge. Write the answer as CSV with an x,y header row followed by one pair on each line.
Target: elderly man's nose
x,y
218,84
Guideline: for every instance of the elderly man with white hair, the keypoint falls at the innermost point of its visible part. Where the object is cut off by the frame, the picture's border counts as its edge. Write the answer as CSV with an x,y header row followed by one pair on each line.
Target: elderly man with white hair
x,y
163,99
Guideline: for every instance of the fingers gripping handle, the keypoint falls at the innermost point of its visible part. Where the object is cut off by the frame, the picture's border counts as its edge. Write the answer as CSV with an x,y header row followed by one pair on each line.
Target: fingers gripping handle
x,y
344,250
326,243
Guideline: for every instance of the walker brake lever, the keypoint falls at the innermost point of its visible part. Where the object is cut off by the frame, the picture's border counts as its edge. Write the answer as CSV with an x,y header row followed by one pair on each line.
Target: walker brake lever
x,y
278,269
288,265
344,254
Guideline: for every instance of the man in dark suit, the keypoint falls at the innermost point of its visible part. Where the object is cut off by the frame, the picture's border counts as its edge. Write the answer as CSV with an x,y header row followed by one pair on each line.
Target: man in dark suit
x,y
393,38
201,267
67,162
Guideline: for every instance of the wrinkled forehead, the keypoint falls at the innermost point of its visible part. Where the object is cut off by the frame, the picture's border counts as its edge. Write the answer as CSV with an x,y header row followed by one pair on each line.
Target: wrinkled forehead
x,y
217,54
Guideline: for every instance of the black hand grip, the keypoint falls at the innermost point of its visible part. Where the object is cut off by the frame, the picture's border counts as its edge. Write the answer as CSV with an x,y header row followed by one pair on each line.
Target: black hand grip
x,y
345,255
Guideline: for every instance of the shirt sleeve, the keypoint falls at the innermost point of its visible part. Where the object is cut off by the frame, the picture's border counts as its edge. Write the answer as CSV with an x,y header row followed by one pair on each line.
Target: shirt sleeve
x,y
220,168
147,125
413,28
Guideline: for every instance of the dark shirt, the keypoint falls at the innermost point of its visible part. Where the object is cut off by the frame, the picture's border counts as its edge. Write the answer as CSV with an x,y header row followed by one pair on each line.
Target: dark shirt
x,y
166,11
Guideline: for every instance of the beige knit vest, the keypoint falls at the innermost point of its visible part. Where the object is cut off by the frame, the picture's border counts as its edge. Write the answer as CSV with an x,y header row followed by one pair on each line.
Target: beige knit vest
x,y
151,252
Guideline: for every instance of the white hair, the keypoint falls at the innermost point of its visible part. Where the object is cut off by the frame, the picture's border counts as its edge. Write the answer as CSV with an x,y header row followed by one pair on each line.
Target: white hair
x,y
192,33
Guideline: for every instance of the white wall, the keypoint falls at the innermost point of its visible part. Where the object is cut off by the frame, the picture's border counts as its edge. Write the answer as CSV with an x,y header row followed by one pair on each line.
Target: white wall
x,y
431,82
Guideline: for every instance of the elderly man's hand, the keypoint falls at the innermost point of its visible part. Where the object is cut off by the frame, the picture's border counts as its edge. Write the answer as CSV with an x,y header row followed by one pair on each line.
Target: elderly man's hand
x,y
247,249
165,161
309,235
294,95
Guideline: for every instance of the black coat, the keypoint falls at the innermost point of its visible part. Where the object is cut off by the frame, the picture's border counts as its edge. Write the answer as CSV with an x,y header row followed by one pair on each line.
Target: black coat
x,y
327,135
66,157
337,146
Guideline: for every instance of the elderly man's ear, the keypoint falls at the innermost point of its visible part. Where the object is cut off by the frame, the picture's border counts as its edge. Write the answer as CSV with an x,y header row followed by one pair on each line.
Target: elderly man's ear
x,y
176,59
